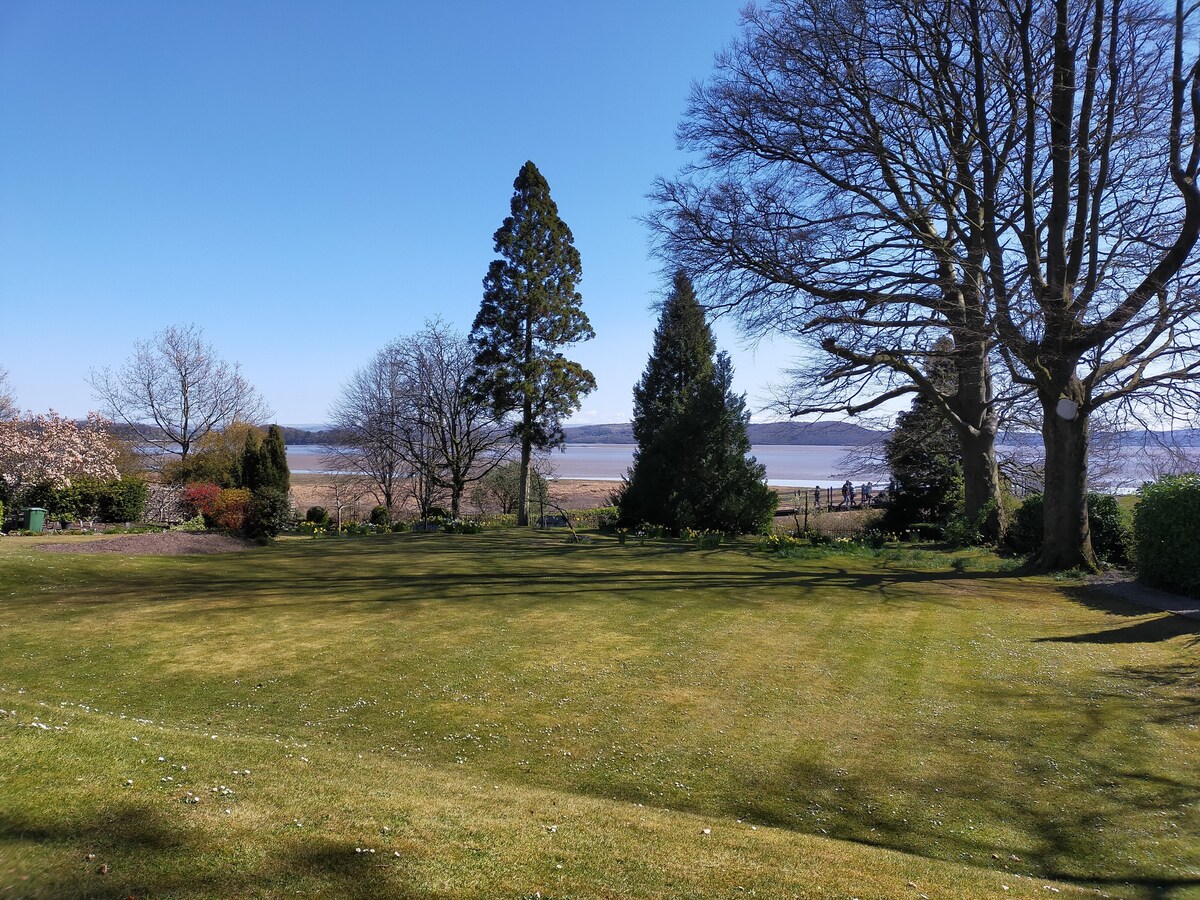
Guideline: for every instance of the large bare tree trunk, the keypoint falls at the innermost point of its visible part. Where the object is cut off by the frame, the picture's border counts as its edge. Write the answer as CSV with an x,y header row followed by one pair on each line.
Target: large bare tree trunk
x,y
983,501
982,497
1067,539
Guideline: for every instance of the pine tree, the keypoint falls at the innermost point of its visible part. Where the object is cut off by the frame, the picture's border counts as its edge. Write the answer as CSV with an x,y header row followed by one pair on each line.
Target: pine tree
x,y
531,308
923,454
690,469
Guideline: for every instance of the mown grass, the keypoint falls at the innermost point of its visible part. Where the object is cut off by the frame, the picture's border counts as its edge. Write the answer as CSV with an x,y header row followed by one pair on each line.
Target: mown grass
x,y
512,715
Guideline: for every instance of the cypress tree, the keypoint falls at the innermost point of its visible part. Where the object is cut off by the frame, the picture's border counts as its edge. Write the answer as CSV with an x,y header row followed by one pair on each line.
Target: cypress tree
x,y
690,469
251,473
530,309
273,461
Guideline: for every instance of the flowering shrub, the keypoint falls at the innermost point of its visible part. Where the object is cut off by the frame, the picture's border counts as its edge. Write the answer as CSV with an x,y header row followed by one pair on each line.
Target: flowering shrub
x,y
54,450
360,529
462,526
705,539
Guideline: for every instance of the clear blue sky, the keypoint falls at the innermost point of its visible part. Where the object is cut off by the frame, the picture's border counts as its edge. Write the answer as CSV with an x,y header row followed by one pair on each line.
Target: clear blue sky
x,y
309,180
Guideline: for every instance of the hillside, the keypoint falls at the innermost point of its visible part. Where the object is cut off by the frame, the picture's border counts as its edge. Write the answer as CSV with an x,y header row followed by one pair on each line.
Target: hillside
x,y
827,434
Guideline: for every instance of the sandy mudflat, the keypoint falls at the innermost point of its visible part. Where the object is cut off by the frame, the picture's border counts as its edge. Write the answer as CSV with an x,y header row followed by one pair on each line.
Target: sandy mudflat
x,y
356,493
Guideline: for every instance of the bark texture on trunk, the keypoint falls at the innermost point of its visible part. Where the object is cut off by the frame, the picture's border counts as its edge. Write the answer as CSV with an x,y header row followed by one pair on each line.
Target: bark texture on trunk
x,y
523,488
1067,539
983,500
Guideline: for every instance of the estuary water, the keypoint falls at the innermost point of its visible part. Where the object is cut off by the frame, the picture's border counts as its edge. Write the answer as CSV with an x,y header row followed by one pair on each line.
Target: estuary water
x,y
788,465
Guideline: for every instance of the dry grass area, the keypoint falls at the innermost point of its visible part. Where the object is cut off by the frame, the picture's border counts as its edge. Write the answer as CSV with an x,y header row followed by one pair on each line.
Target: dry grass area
x,y
358,495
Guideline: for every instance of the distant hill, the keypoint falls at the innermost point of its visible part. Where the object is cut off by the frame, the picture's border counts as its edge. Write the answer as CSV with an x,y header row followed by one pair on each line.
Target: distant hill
x,y
823,434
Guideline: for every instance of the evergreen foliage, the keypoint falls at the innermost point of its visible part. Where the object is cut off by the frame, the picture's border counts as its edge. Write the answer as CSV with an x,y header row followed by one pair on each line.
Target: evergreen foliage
x,y
924,455
251,470
275,474
1112,537
531,308
268,513
264,462
682,355
1167,525
690,469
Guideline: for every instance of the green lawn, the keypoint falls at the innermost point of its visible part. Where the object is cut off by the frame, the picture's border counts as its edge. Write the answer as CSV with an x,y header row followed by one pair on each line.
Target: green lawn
x,y
504,714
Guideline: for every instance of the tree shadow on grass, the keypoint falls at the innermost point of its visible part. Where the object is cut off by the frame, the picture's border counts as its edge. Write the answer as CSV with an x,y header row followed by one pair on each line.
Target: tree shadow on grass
x,y
147,854
512,591
928,815
1164,626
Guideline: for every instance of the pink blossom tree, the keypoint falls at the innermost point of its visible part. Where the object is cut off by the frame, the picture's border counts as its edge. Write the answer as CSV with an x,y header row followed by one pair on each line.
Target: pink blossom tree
x,y
51,449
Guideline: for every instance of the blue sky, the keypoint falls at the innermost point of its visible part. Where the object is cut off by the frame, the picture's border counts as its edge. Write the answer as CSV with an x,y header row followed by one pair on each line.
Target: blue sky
x,y
309,180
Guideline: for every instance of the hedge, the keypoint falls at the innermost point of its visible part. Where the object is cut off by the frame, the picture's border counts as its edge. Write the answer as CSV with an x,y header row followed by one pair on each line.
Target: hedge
x,y
1167,528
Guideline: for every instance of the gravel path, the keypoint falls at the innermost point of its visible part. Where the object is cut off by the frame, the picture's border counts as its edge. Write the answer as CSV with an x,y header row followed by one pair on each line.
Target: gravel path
x,y
1130,591
165,543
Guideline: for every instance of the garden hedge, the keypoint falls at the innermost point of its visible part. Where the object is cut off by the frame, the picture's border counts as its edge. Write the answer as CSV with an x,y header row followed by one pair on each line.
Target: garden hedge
x,y
1167,528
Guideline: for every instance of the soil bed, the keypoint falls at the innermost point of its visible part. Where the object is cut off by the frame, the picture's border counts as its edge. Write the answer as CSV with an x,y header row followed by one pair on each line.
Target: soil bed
x,y
165,543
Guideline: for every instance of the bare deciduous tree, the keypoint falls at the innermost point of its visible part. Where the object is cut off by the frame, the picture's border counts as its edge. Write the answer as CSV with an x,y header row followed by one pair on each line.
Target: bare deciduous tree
x,y
837,200
451,434
409,414
8,403
1095,302
367,416
1019,176
175,389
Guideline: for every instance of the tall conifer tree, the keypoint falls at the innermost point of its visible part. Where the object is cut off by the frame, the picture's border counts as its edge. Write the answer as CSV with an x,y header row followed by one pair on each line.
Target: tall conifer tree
x,y
530,309
274,458
683,354
690,469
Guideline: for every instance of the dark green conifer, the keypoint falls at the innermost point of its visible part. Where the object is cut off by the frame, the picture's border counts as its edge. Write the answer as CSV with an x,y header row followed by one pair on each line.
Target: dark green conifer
x,y
690,469
274,464
682,355
530,309
924,455
251,470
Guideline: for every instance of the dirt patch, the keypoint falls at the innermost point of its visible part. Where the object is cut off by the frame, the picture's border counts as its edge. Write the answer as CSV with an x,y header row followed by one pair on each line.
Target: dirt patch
x,y
165,543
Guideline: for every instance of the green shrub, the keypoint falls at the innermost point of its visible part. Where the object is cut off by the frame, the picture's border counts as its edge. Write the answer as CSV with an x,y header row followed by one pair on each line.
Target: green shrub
x,y
398,527
1167,528
123,500
1111,534
380,516
192,525
318,515
1027,525
268,513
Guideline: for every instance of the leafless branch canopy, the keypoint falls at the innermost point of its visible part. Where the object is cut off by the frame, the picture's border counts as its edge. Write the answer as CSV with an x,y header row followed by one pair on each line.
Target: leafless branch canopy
x,y
175,389
414,422
8,403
